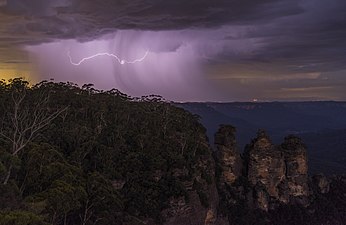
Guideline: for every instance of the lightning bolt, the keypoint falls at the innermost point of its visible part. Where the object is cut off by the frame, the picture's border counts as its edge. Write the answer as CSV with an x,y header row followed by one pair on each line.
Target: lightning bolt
x,y
121,61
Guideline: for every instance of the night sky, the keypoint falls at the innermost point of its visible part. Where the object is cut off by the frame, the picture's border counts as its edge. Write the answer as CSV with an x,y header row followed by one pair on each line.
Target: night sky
x,y
184,50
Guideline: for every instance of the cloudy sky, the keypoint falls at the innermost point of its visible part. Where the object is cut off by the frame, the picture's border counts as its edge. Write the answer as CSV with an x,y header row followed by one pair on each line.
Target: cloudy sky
x,y
196,50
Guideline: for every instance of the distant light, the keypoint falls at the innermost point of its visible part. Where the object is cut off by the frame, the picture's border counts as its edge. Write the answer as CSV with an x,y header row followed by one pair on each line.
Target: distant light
x,y
255,100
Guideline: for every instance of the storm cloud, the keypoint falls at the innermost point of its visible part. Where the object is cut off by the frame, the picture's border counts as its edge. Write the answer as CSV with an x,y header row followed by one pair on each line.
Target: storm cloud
x,y
276,44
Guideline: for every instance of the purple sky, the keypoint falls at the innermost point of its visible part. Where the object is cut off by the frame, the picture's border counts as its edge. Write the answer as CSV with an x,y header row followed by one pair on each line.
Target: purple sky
x,y
221,50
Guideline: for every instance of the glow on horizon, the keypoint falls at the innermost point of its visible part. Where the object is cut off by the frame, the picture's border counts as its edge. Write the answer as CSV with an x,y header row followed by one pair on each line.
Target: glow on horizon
x,y
121,61
18,70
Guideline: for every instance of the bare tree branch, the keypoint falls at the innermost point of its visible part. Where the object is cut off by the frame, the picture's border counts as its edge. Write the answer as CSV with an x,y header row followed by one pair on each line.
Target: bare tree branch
x,y
26,121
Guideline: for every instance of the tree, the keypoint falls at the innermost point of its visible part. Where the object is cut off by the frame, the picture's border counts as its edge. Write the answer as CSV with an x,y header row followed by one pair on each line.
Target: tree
x,y
23,120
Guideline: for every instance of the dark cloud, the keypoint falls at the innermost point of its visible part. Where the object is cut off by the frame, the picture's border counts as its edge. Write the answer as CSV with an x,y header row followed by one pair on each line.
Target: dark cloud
x,y
272,40
180,14
88,18
312,41
30,22
34,7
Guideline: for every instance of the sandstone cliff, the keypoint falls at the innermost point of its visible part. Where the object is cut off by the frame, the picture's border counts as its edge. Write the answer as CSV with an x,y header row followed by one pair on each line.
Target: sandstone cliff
x,y
199,206
259,186
296,169
271,174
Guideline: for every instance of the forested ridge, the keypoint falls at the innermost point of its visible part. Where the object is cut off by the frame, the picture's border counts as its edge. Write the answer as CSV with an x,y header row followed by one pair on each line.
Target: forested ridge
x,y
73,155
93,157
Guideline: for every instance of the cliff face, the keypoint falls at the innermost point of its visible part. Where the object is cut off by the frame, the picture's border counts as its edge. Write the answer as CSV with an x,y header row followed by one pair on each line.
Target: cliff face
x,y
296,164
271,174
199,206
265,165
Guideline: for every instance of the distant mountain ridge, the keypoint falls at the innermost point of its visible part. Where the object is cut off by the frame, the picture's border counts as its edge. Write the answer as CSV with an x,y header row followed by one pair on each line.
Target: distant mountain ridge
x,y
313,121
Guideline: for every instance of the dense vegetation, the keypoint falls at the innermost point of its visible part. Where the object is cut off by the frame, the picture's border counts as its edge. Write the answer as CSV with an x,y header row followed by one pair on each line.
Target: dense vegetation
x,y
71,155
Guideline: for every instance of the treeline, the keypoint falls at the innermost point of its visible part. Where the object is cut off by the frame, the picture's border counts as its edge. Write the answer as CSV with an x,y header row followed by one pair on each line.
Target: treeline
x,y
77,155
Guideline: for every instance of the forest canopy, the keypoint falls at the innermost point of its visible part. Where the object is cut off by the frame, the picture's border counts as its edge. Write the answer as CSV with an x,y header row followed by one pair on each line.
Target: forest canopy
x,y
77,155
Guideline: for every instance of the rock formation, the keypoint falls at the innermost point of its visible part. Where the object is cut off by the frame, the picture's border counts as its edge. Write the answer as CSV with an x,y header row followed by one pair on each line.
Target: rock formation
x,y
251,187
227,156
265,164
296,177
271,175
260,180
